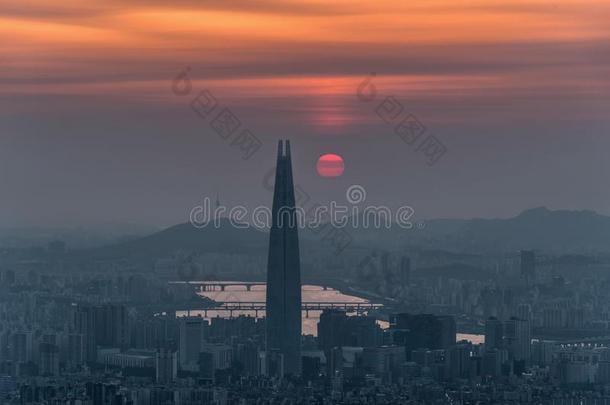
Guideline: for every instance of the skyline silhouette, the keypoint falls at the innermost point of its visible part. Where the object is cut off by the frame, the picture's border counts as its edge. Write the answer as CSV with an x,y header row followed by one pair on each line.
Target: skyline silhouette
x,y
298,202
283,294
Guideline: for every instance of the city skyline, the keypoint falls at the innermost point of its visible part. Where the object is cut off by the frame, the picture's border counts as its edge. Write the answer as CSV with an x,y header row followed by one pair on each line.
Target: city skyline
x,y
298,202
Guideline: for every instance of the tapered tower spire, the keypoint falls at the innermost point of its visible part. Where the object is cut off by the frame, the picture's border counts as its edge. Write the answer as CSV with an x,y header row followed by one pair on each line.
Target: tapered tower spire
x,y
283,345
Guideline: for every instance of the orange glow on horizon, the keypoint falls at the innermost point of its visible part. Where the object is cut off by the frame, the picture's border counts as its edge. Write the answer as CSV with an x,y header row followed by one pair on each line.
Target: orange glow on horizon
x,y
310,49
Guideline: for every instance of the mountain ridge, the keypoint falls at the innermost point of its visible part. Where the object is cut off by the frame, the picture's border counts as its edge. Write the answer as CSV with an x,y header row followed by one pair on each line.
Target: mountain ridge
x,y
539,228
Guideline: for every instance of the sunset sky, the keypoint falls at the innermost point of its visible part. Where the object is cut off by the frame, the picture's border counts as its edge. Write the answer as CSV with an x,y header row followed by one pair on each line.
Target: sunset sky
x,y
91,132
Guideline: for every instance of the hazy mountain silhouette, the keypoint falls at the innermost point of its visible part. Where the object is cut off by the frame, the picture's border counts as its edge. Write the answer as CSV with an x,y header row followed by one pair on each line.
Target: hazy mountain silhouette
x,y
559,231
225,239
553,231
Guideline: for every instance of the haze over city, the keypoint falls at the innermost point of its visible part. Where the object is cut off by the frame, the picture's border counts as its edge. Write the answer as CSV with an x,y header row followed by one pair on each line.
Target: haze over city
x,y
303,202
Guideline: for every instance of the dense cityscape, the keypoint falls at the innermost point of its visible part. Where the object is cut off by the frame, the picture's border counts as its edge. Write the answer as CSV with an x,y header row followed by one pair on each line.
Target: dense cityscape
x,y
93,339
115,336
304,202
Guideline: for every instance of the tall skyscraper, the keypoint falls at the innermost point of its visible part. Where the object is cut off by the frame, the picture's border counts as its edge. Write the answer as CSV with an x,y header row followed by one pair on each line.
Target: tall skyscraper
x,y
405,271
337,329
283,346
518,337
494,334
528,265
112,325
85,324
166,365
49,359
192,336
423,331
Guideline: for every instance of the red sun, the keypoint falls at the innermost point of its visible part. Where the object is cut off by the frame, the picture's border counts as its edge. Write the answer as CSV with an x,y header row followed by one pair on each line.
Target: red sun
x,y
330,165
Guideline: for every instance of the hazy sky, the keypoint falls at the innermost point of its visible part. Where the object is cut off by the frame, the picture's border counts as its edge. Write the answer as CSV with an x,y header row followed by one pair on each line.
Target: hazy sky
x,y
90,130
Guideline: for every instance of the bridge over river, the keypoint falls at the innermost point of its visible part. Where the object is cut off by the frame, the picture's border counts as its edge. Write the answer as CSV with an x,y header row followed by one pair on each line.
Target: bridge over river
x,y
257,306
203,286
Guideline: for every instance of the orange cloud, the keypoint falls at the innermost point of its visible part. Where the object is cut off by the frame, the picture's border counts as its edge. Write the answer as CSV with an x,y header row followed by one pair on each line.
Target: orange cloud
x,y
310,48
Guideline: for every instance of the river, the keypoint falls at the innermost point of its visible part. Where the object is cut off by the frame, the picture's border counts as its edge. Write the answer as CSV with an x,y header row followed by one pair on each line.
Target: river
x,y
310,293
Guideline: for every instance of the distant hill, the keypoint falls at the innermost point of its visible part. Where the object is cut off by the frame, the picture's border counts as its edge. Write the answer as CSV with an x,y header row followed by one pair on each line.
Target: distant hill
x,y
554,232
224,239
559,231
